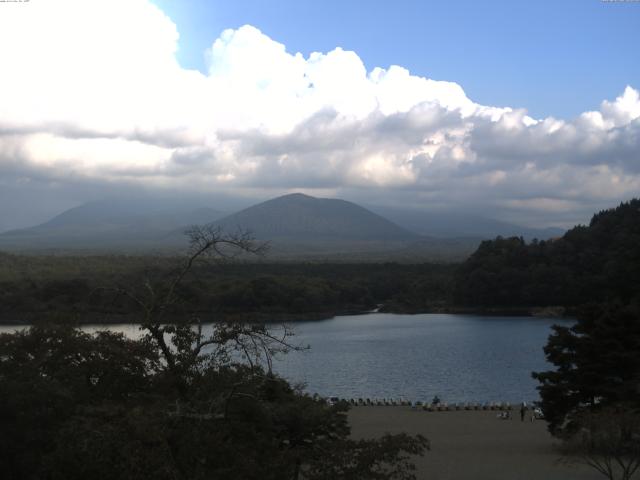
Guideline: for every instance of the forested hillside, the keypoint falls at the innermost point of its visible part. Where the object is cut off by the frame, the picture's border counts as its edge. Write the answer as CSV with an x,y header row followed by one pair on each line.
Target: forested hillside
x,y
33,287
598,262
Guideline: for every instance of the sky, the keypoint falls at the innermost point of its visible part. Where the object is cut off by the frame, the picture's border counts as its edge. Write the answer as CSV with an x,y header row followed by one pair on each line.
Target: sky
x,y
551,57
523,111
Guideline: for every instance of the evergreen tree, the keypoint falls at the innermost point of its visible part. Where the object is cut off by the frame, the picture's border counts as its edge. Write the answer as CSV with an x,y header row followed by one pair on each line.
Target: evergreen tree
x,y
597,364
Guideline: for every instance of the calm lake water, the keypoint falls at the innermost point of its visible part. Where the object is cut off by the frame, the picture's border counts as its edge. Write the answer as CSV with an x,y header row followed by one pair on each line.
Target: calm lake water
x,y
458,357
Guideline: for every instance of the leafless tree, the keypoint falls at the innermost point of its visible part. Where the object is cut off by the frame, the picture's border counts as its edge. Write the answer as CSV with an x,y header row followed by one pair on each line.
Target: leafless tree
x,y
183,342
608,441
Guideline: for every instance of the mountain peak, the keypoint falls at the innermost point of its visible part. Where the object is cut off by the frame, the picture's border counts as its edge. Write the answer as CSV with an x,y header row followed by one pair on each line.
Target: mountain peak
x,y
298,216
296,196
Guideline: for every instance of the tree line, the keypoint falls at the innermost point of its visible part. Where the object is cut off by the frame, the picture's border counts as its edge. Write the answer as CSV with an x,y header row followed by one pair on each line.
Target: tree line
x,y
598,262
229,290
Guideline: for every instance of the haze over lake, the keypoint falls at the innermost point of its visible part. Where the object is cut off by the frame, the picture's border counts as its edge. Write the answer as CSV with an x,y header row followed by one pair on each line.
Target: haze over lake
x,y
458,357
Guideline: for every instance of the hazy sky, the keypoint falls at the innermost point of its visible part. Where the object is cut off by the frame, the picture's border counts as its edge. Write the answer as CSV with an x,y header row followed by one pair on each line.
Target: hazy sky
x,y
525,111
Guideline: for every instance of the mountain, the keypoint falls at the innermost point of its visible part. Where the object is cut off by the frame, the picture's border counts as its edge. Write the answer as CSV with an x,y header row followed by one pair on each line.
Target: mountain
x,y
296,225
298,217
111,224
460,224
301,226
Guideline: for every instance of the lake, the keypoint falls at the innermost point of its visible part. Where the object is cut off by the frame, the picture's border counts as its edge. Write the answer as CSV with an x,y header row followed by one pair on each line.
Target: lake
x,y
458,357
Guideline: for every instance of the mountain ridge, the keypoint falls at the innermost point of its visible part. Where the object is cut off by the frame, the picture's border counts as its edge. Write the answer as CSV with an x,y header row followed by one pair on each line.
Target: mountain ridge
x,y
458,224
108,224
297,226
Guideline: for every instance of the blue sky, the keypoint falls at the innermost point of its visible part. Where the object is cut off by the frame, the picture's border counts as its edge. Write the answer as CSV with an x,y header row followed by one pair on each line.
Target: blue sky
x,y
553,57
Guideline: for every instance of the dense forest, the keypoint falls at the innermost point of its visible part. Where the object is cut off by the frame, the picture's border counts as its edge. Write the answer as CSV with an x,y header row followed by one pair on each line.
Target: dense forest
x,y
590,263
86,287
593,263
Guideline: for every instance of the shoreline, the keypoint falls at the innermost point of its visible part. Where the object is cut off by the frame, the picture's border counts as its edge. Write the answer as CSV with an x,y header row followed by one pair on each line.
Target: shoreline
x,y
105,318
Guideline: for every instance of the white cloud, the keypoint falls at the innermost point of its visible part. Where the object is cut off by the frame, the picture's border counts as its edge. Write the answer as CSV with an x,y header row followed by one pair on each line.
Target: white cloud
x,y
92,90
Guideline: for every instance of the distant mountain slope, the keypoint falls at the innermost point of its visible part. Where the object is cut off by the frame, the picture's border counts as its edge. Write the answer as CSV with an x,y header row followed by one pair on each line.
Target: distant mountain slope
x,y
297,217
115,223
297,226
459,224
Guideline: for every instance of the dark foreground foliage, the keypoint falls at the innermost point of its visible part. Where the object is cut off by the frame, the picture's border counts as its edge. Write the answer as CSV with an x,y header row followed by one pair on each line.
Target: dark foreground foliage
x,y
179,403
591,400
79,406
597,367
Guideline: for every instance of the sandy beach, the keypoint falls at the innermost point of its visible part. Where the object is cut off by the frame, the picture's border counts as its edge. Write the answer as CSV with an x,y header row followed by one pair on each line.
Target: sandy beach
x,y
473,445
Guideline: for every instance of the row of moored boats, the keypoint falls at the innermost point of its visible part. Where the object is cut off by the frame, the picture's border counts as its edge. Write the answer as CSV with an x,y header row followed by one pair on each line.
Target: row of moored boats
x,y
420,405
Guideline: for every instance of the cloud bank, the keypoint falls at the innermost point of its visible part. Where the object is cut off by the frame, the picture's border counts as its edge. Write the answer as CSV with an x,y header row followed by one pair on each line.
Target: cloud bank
x,y
91,93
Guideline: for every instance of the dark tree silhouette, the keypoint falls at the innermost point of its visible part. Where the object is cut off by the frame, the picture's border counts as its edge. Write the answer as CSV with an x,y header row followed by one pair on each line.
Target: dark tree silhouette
x,y
184,401
597,364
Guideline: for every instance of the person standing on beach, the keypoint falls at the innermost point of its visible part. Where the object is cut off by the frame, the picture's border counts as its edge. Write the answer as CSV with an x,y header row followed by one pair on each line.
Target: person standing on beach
x,y
523,409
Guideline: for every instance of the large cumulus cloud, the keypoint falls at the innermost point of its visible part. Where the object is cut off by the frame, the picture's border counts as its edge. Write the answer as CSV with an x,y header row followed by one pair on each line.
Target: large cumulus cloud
x,y
91,92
